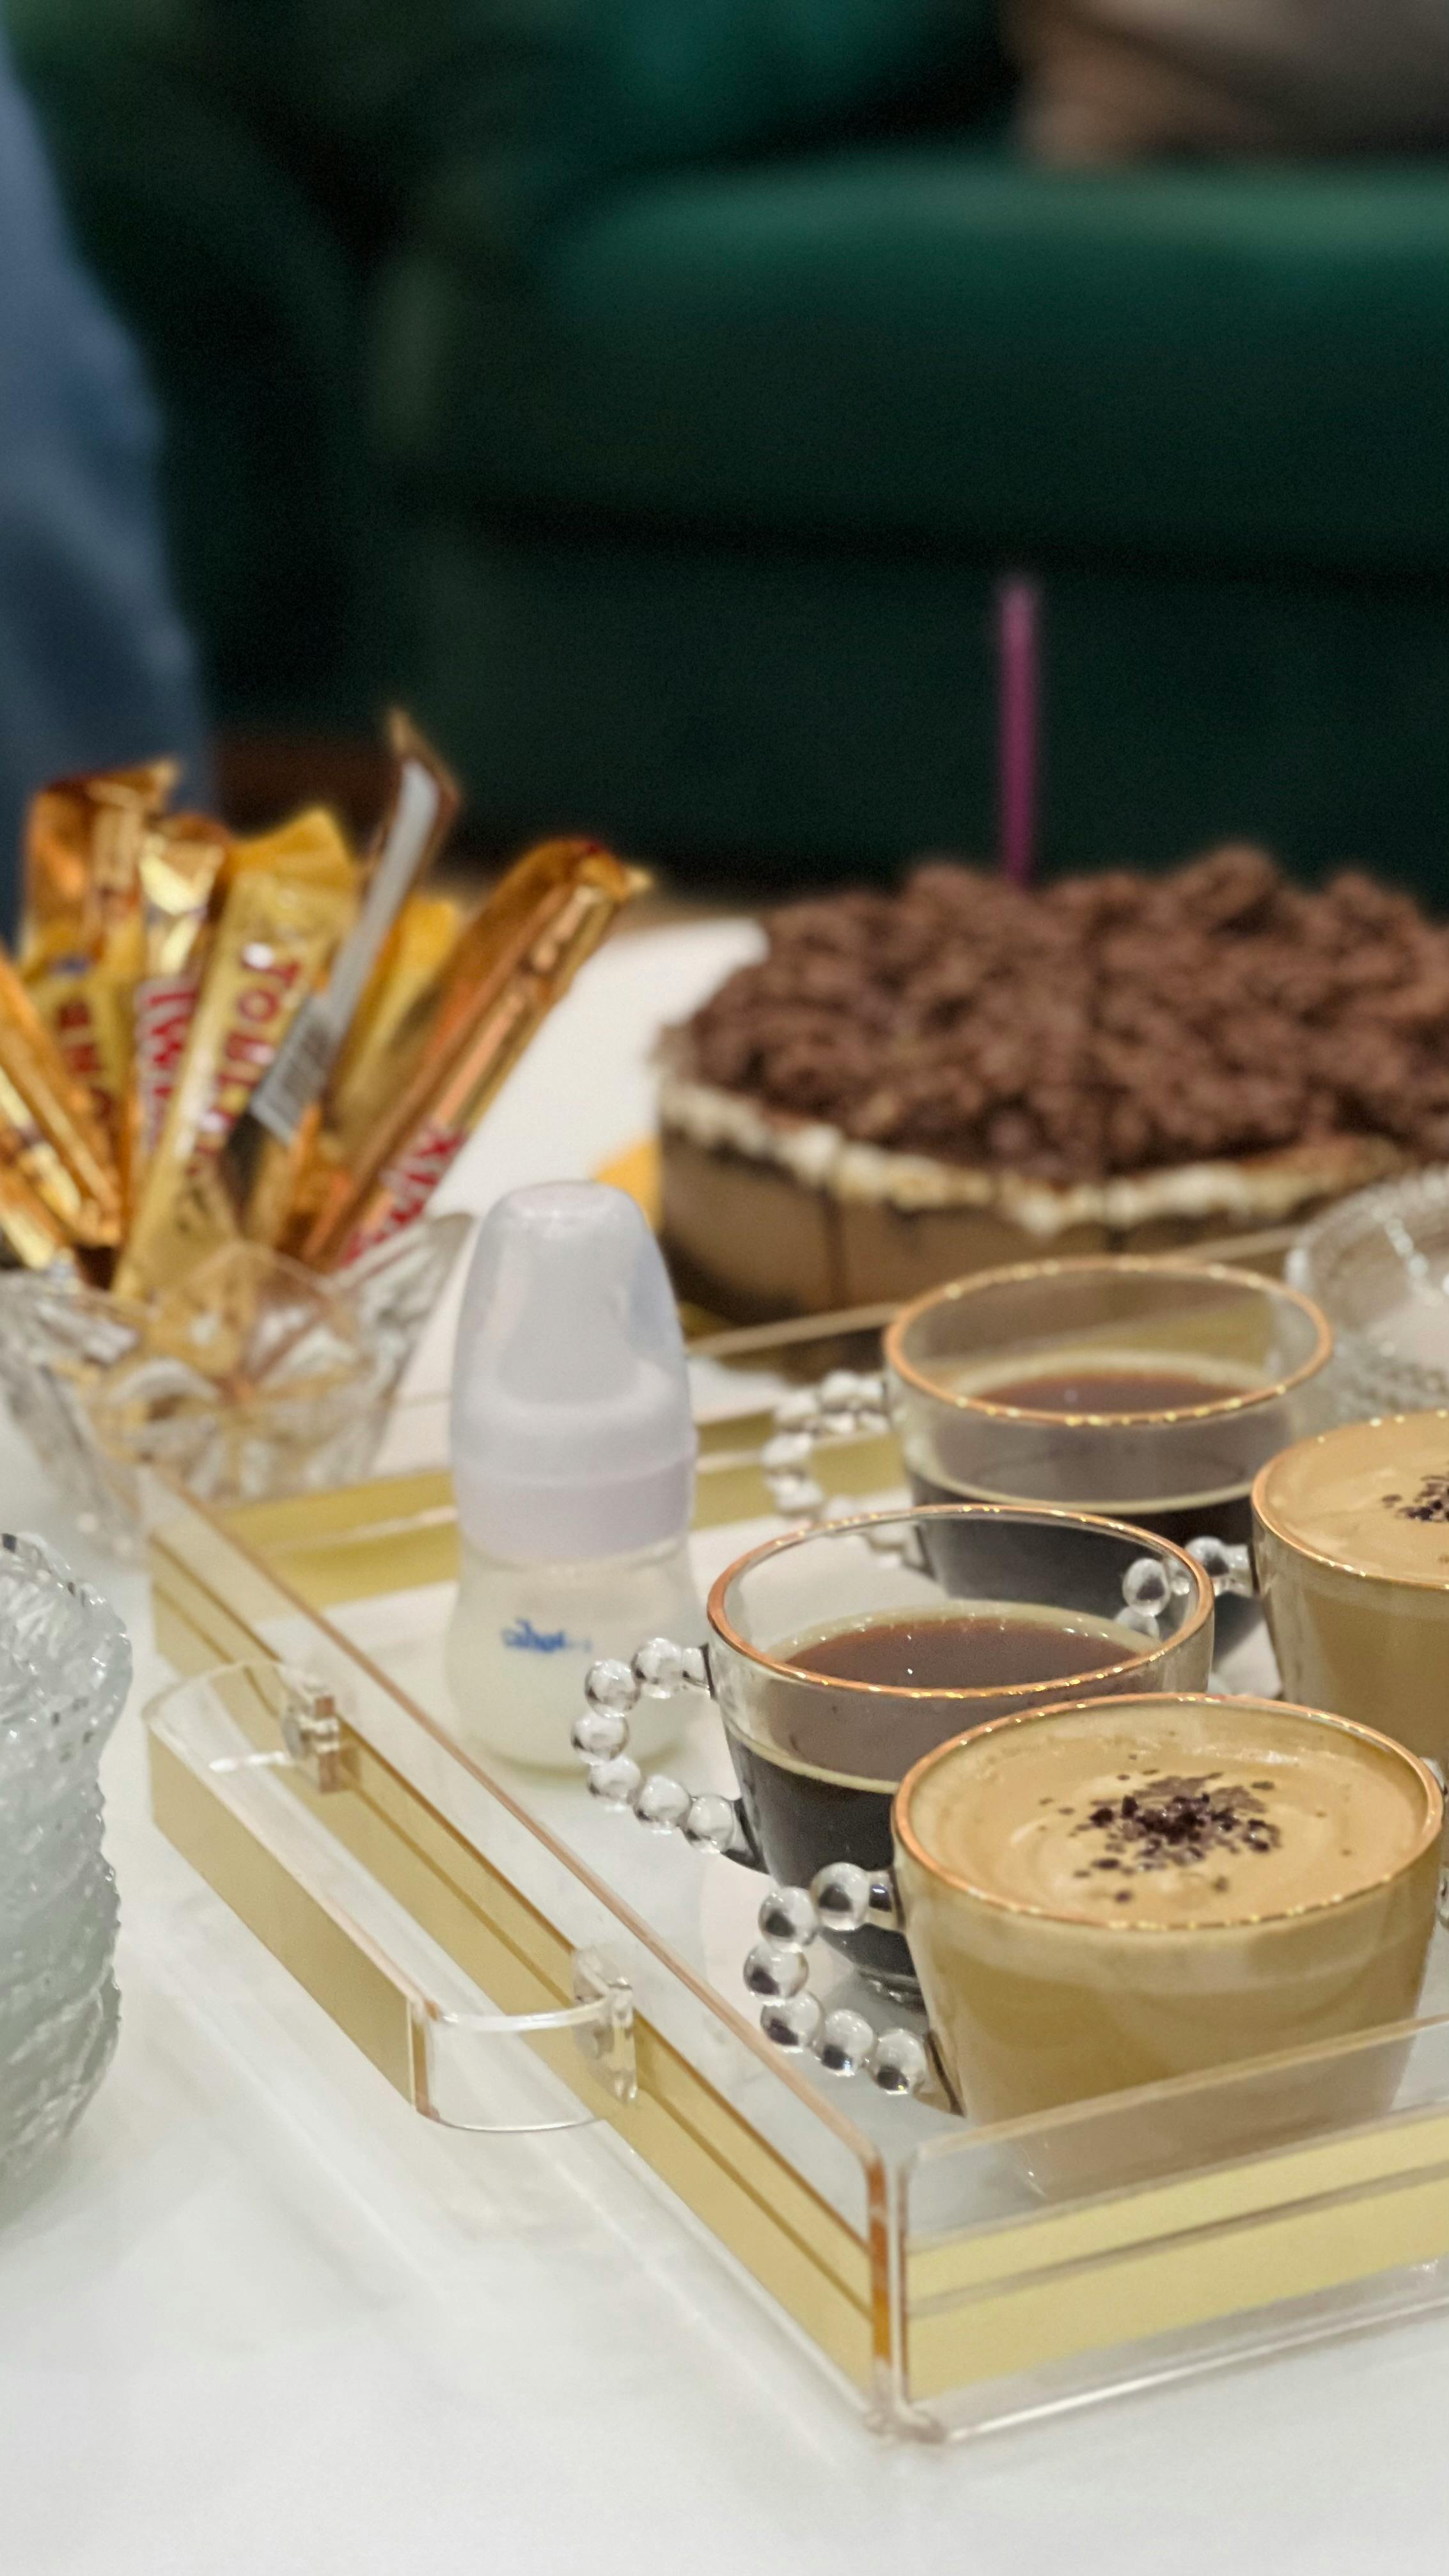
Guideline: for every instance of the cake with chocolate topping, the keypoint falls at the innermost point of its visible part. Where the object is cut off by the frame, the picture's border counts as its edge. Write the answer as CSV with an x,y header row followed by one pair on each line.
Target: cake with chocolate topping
x,y
910,1086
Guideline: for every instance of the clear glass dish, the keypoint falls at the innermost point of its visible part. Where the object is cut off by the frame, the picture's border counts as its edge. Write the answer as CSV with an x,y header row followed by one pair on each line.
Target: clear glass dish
x,y
1378,1265
65,1668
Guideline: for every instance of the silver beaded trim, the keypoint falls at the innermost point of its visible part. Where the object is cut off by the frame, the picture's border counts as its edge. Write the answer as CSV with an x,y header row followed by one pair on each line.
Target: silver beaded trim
x,y
612,1691
841,1898
1228,1568
845,1405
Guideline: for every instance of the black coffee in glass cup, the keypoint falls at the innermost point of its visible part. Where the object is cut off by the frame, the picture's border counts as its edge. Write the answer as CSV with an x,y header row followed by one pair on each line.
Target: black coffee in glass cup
x,y
1150,1391
838,1656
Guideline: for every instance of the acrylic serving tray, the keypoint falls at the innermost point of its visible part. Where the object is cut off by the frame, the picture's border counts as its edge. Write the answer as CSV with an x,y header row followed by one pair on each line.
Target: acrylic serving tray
x,y
511,1956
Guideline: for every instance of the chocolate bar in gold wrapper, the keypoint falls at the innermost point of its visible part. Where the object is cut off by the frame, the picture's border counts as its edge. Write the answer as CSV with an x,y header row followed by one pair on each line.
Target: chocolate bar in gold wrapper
x,y
502,928
181,862
385,1043
261,1164
82,936
268,951
551,912
30,1237
86,1009
311,849
478,963
67,1158
392,1020
83,840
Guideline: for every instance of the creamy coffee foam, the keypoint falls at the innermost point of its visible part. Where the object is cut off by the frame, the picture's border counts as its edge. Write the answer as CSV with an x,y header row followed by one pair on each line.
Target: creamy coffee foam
x,y
1371,1496
1215,1813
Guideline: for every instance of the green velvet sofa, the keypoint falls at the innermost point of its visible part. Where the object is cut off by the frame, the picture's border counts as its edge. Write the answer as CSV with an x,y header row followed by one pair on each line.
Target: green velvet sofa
x,y
654,392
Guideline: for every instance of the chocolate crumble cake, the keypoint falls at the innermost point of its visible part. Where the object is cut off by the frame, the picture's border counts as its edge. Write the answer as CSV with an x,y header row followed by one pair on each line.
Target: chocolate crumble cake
x,y
909,1086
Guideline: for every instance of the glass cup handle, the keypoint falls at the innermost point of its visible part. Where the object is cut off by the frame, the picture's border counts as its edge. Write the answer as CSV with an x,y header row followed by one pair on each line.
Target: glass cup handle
x,y
1228,1568
659,1669
849,1403
843,1406
840,1898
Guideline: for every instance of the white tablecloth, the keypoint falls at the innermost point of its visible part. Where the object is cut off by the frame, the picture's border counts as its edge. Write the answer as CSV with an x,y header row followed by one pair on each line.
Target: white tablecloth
x,y
259,2320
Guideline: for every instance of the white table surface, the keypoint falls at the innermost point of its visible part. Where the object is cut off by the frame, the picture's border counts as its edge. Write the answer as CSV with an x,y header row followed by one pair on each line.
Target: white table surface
x,y
259,2320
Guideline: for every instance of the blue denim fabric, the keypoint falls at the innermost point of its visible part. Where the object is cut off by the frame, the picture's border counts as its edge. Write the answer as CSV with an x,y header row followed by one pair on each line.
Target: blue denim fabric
x,y
96,668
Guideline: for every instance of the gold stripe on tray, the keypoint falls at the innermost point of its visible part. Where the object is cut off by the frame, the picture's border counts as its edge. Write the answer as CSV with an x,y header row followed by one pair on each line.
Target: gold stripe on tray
x,y
400,1532
1189,2253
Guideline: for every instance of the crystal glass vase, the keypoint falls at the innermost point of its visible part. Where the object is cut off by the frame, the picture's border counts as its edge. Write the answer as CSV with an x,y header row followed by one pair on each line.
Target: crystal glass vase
x,y
65,1668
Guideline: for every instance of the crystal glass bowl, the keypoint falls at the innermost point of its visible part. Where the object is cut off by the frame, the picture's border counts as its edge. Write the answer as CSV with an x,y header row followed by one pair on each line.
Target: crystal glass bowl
x,y
255,1378
1378,1265
65,1668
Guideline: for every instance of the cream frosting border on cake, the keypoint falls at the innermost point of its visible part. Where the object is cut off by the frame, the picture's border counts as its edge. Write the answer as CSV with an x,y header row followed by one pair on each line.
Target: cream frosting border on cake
x,y
1262,1189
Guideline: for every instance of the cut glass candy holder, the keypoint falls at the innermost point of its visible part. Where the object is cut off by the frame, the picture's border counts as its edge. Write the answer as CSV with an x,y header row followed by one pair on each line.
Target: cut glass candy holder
x,y
253,1379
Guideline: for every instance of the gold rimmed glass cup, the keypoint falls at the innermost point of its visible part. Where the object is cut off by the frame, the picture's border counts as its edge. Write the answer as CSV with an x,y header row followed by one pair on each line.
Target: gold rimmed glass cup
x,y
1351,1541
924,1600
1150,1391
1046,1984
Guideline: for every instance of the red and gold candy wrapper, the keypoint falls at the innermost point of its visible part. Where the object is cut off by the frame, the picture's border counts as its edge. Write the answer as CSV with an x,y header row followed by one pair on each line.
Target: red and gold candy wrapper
x,y
85,1009
81,935
547,916
502,929
222,1046
82,851
272,945
61,1151
181,863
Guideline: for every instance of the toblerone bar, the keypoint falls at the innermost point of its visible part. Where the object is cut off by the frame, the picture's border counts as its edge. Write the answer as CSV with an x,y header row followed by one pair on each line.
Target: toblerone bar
x,y
271,947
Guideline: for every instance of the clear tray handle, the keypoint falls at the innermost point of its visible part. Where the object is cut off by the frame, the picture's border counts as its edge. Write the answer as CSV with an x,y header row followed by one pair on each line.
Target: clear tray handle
x,y
215,1787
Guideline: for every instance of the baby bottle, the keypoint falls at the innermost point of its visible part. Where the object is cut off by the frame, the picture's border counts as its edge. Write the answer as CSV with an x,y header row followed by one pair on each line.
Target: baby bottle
x,y
573,1450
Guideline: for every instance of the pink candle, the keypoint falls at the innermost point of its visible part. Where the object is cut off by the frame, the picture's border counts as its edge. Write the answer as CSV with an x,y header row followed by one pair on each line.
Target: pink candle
x,y
1018,604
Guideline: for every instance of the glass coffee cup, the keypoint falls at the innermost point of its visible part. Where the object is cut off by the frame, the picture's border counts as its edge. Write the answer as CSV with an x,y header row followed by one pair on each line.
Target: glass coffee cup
x,y
1147,1390
839,1656
1351,1542
1108,1895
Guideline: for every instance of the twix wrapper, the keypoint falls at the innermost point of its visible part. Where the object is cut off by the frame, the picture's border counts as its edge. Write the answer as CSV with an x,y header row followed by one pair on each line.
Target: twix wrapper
x,y
269,950
547,916
181,862
56,1142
